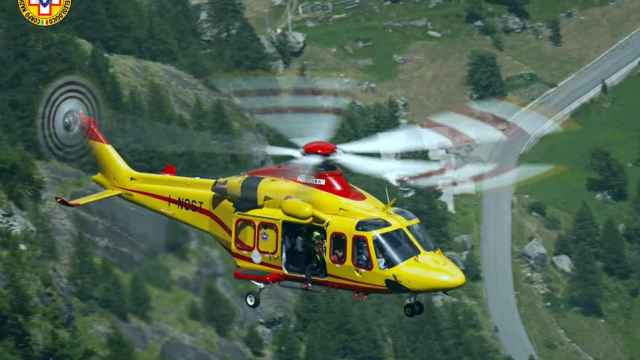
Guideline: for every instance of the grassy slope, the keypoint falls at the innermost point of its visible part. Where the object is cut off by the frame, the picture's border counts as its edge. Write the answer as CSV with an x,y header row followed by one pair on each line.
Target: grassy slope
x,y
611,123
433,80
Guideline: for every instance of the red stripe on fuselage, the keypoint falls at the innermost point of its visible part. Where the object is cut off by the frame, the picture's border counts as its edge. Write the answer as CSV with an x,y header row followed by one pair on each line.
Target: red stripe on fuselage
x,y
200,210
361,286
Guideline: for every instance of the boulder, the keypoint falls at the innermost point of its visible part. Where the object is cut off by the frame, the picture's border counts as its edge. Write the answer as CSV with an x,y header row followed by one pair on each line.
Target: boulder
x,y
400,59
441,299
434,34
536,253
464,240
512,23
296,41
563,263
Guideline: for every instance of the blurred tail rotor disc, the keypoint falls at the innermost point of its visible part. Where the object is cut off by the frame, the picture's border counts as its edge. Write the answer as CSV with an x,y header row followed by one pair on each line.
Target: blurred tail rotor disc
x,y
58,120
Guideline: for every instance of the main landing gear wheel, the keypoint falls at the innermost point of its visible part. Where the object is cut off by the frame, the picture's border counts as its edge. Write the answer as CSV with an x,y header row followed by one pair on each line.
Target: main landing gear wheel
x,y
252,299
414,308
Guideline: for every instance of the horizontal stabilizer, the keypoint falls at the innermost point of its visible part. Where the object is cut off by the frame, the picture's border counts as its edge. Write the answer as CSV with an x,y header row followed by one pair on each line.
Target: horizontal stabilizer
x,y
88,199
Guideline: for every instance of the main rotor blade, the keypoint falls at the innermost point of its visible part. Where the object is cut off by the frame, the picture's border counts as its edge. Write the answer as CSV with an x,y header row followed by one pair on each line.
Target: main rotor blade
x,y
388,169
282,151
404,139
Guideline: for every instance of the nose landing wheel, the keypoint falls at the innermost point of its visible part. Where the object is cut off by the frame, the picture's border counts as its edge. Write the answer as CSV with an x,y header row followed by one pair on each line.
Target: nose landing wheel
x,y
413,307
252,298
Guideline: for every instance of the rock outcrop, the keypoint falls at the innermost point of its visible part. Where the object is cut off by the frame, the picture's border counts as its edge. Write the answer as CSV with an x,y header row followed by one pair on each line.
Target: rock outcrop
x,y
563,263
536,254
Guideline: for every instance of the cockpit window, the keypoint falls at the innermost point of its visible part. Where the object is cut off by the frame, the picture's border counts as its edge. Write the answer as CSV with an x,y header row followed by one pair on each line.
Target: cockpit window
x,y
393,248
372,224
421,235
406,214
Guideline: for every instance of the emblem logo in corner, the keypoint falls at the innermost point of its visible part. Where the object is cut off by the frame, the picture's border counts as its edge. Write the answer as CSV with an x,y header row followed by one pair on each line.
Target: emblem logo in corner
x,y
44,12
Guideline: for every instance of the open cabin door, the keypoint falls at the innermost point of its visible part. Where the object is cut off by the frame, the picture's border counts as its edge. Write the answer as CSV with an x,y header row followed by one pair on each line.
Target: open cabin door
x,y
257,239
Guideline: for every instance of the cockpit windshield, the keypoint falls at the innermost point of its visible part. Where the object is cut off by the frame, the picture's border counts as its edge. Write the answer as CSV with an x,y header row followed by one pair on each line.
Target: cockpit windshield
x,y
421,235
393,248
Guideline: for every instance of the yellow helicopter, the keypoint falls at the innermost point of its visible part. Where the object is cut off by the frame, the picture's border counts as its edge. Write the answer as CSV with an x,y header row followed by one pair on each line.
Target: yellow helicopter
x,y
286,224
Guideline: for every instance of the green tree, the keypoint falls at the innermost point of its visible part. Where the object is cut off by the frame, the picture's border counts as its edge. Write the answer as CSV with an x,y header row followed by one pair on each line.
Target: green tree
x,y
177,240
613,255
118,347
484,75
611,175
194,311
100,68
110,292
83,271
472,267
286,344
281,44
563,245
160,108
585,286
217,310
139,297
585,231
474,11
556,34
218,120
254,341
160,43
233,38
198,114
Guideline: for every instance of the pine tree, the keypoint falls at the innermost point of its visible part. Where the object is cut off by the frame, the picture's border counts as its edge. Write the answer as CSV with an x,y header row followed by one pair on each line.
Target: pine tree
x,y
556,35
83,268
611,175
472,267
160,107
218,121
254,341
233,38
160,42
613,253
119,348
177,240
198,115
286,344
484,75
585,231
585,286
110,292
217,310
139,297
135,104
563,245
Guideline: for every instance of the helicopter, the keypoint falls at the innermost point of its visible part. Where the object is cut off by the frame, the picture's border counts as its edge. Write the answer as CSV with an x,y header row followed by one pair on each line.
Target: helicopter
x,y
299,224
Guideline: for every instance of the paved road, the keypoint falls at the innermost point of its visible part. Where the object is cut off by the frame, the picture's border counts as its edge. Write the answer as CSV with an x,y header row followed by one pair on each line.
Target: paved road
x,y
496,204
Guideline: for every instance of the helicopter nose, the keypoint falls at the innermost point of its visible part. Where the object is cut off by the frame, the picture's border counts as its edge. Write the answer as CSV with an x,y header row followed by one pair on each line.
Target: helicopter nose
x,y
430,272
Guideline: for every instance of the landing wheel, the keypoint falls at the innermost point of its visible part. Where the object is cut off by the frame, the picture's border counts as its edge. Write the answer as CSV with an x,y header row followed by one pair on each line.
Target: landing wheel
x,y
252,299
413,308
418,307
409,310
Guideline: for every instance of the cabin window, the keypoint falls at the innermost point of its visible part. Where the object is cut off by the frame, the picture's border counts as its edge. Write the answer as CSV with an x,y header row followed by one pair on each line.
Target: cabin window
x,y
372,224
393,248
268,238
361,255
422,236
338,248
245,235
406,214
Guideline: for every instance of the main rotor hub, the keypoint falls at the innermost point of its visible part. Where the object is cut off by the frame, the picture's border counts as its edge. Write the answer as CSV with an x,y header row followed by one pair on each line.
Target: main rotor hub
x,y
321,148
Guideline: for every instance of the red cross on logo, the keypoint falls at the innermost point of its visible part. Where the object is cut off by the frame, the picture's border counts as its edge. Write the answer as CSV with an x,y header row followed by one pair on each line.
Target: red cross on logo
x,y
44,6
